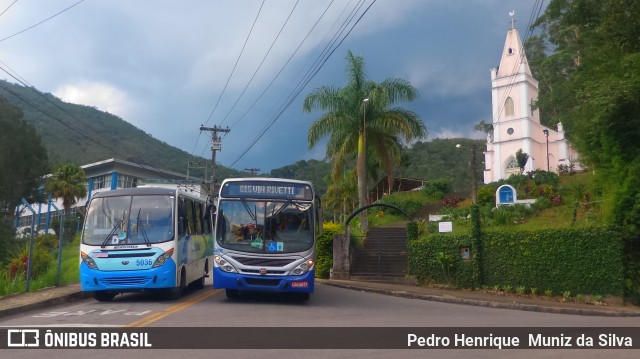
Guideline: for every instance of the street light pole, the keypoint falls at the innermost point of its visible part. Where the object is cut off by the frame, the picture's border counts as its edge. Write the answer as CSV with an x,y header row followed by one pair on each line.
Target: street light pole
x,y
546,134
474,181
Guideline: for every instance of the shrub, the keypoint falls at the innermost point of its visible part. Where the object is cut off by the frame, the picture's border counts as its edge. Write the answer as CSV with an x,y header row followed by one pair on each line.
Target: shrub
x,y
40,263
324,250
436,189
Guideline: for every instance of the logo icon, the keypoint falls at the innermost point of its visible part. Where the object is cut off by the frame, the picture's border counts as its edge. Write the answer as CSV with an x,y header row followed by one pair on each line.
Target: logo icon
x,y
125,262
263,271
23,338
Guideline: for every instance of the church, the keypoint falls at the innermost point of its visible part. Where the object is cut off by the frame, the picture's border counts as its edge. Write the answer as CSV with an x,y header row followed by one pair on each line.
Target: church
x,y
516,122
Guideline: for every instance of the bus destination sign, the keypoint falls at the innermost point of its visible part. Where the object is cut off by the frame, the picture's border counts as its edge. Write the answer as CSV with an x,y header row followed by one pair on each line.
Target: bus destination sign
x,y
270,190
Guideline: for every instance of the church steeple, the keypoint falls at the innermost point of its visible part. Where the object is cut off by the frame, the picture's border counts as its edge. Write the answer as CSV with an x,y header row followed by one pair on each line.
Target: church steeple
x,y
513,61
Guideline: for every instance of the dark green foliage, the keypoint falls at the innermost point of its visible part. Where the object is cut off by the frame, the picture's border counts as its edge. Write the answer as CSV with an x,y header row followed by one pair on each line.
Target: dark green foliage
x,y
312,170
441,159
23,158
437,188
522,159
116,138
324,253
408,204
47,241
487,194
412,231
42,258
437,259
586,260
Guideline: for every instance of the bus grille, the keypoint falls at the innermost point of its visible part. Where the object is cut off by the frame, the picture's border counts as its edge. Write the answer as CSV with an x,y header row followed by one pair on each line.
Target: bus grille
x,y
265,262
263,282
119,281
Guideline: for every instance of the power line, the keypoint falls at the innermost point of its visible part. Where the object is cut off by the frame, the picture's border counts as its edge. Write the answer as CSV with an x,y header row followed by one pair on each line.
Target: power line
x,y
232,71
261,62
41,22
72,128
284,66
312,71
301,86
8,7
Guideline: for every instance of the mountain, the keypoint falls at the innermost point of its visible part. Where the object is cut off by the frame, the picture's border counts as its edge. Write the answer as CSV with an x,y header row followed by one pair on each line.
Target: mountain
x,y
83,134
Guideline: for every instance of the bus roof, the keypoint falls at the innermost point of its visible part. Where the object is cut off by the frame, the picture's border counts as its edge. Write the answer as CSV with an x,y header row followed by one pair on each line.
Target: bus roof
x,y
147,190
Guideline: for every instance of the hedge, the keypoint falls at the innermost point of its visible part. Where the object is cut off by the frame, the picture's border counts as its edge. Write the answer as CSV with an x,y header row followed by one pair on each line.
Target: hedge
x,y
579,260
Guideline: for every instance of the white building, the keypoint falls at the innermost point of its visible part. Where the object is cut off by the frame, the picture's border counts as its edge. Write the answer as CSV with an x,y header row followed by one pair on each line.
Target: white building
x,y
102,176
516,124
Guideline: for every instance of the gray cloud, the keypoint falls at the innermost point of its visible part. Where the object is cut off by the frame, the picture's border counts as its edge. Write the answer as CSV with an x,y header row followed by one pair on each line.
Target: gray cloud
x,y
162,65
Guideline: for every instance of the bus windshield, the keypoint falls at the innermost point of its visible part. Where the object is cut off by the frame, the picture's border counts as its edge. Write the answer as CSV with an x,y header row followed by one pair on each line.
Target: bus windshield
x,y
126,220
256,226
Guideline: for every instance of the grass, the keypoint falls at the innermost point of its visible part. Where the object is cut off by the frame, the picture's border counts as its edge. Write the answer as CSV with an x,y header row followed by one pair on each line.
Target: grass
x,y
69,273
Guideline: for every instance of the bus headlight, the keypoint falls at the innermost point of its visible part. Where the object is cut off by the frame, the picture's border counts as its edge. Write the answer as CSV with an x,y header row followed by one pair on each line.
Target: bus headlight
x,y
88,260
303,267
224,265
163,258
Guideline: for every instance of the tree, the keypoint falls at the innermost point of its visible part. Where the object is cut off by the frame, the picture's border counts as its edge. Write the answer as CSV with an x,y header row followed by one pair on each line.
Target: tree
x,y
521,158
68,183
351,122
23,162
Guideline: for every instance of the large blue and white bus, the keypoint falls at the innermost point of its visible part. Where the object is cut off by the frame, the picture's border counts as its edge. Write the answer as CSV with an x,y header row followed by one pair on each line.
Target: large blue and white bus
x,y
146,238
265,237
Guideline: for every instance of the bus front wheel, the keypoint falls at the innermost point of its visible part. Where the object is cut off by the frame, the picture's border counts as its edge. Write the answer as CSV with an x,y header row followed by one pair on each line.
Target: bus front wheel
x,y
233,293
104,296
176,293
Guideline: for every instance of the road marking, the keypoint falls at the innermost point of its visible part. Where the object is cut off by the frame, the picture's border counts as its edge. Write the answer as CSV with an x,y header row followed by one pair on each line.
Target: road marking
x,y
172,309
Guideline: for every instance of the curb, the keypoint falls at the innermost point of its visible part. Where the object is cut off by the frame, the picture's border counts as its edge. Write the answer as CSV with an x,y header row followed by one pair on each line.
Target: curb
x,y
489,304
44,303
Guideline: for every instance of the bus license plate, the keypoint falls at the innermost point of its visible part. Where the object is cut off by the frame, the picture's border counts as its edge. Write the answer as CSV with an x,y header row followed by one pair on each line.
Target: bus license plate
x,y
299,284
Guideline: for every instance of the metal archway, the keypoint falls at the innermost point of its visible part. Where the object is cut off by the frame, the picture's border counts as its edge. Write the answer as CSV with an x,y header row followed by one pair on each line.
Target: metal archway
x,y
376,205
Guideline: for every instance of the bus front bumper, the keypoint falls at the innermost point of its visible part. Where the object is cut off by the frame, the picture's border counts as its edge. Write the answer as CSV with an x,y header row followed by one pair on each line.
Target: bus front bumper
x,y
128,280
243,282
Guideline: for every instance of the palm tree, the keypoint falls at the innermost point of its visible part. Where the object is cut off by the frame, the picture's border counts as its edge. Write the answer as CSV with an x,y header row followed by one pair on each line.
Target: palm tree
x,y
68,183
350,121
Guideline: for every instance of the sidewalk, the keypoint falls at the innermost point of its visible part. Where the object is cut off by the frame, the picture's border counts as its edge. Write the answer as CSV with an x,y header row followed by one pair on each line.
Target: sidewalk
x,y
18,303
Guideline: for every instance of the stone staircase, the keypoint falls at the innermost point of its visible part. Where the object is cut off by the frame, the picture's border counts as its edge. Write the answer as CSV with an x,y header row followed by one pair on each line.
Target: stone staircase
x,y
383,257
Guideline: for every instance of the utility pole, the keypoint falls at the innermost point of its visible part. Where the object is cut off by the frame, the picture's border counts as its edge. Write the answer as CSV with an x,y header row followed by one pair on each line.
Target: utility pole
x,y
252,170
216,145
474,183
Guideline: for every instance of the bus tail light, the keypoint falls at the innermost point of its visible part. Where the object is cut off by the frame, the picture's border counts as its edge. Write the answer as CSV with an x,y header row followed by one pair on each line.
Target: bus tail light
x,y
303,268
163,258
88,260
224,265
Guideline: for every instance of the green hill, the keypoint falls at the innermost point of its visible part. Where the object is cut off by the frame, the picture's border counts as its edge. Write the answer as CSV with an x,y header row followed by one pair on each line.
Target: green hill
x,y
82,134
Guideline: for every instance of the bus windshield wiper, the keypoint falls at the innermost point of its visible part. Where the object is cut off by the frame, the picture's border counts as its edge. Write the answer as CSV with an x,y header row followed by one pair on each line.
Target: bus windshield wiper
x,y
141,226
113,231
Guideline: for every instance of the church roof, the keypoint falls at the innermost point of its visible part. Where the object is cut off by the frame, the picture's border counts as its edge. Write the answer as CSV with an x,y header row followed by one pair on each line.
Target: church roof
x,y
513,59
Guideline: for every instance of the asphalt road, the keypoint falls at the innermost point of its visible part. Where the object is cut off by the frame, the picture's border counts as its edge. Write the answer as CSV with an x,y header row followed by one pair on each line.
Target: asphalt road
x,y
328,307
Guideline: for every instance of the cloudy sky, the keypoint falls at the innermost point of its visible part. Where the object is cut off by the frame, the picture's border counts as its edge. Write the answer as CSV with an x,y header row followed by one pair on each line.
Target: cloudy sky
x,y
168,67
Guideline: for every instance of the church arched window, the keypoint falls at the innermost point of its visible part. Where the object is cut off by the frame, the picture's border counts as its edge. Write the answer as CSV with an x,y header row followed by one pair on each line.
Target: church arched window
x,y
508,107
512,167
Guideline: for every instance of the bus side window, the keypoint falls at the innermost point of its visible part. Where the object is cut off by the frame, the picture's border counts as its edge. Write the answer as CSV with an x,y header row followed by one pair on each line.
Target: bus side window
x,y
182,217
197,218
191,218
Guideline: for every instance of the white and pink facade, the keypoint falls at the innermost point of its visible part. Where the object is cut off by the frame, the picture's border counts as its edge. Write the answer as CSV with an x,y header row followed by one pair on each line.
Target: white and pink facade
x,y
516,123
